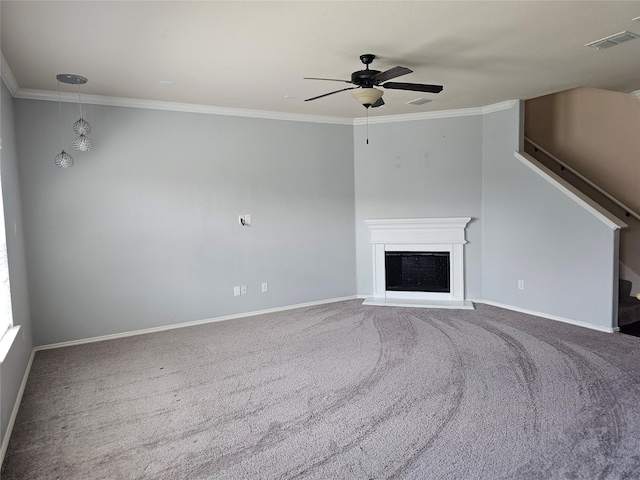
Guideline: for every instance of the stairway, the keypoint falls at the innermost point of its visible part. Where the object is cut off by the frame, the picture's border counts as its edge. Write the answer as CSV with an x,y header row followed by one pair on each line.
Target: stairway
x,y
589,137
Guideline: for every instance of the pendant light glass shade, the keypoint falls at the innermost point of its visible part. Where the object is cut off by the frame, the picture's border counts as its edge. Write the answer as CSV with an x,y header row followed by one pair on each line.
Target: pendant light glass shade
x,y
82,127
64,160
83,143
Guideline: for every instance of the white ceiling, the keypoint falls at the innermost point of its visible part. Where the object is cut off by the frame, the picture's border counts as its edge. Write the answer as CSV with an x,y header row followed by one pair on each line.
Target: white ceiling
x,y
251,55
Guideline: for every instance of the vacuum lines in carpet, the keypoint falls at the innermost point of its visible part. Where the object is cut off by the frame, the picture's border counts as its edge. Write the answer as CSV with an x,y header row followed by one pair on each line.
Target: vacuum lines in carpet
x,y
337,391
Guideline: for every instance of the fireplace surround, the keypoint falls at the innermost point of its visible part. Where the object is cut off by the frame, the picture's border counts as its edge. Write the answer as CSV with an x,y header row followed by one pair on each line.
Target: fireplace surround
x,y
422,237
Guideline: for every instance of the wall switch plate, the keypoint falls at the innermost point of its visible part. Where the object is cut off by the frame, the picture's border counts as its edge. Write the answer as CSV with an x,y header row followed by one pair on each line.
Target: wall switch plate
x,y
236,291
243,289
520,284
247,219
265,287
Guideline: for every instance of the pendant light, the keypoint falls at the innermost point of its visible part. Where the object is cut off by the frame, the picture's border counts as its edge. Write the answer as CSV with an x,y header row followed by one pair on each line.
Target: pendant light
x,y
63,159
81,127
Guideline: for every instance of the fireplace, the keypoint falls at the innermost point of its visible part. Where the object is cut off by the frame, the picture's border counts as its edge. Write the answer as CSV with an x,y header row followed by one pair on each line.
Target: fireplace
x,y
417,271
419,262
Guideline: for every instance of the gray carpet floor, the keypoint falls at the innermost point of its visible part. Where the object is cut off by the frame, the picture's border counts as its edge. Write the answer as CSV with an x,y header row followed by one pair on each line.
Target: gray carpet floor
x,y
337,391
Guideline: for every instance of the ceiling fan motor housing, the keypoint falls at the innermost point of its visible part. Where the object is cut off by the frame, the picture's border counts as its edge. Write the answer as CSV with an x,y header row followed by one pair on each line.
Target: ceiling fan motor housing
x,y
364,78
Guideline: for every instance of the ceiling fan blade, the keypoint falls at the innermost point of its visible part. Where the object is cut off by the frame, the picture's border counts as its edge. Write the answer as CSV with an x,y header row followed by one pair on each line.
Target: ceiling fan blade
x,y
328,79
330,93
418,87
377,103
391,73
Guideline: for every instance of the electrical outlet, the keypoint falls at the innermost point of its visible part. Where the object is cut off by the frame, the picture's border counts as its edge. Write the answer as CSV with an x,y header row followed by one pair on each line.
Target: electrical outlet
x,y
520,284
236,291
265,287
243,289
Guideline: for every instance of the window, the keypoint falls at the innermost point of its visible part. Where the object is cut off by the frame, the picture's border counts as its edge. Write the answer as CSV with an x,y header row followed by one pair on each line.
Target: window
x,y
6,314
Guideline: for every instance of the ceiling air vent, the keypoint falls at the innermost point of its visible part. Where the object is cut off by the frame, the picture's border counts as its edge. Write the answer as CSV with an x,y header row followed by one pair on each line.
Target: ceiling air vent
x,y
419,101
612,40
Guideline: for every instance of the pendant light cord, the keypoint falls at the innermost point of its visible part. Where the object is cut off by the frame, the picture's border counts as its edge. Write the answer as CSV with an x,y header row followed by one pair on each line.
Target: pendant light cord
x,y
79,100
60,116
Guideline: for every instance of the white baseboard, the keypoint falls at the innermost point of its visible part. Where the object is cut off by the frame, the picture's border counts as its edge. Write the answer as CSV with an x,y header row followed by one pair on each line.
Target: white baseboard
x,y
190,324
535,313
14,412
548,316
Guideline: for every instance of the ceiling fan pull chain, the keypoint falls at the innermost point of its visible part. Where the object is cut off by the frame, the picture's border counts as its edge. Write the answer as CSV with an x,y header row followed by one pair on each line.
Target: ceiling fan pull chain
x,y
367,126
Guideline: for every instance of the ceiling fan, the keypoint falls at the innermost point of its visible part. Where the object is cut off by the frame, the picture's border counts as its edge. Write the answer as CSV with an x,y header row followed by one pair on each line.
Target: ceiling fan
x,y
366,80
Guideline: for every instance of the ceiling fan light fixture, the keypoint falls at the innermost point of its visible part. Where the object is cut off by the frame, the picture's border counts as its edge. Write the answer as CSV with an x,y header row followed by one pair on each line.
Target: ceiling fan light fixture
x,y
367,96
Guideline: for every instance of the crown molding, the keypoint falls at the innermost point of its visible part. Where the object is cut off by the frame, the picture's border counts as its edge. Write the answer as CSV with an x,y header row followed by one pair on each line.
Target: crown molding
x,y
47,95
7,76
410,117
460,112
176,107
496,107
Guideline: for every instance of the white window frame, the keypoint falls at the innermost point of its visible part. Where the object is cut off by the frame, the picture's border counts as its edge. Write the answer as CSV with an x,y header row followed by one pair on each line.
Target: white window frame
x,y
6,312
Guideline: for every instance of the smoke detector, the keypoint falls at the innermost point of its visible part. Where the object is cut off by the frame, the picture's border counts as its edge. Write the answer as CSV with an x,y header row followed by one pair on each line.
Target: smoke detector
x,y
612,40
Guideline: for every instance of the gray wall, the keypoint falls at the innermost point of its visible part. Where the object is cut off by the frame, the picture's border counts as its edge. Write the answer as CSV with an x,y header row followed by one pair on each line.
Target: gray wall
x,y
143,231
425,168
533,232
14,366
523,227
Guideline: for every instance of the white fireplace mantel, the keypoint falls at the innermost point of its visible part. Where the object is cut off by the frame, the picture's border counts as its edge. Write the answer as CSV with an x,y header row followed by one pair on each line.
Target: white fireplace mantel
x,y
419,235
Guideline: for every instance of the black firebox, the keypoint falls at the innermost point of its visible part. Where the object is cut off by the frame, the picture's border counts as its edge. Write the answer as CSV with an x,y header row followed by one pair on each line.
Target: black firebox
x,y
417,271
